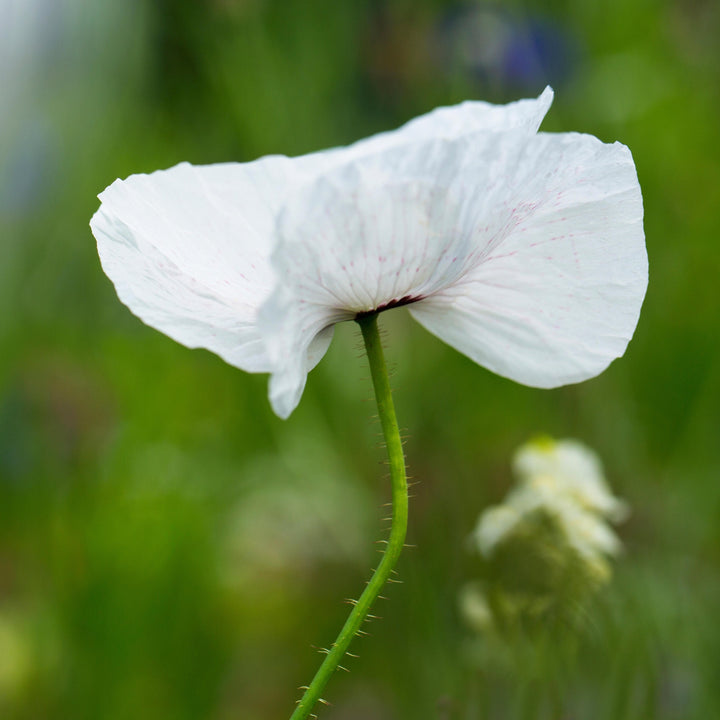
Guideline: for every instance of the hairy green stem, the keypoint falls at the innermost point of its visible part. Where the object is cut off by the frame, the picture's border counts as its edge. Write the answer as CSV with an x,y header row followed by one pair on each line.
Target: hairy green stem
x,y
361,608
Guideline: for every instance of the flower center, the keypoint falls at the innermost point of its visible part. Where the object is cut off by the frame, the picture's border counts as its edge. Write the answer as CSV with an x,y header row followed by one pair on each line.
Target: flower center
x,y
405,300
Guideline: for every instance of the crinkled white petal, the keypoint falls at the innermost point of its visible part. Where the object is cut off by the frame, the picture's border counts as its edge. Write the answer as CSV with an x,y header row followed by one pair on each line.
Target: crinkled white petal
x,y
312,335
188,249
453,122
386,229
558,297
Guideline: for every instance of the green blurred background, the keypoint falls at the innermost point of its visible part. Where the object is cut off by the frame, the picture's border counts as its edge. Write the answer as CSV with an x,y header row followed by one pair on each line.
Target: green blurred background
x,y
169,549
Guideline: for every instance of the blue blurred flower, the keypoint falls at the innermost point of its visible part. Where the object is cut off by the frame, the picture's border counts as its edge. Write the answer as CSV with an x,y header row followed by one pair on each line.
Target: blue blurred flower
x,y
496,47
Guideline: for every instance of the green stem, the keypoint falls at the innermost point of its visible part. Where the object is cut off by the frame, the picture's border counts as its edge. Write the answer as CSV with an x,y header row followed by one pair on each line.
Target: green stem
x,y
391,432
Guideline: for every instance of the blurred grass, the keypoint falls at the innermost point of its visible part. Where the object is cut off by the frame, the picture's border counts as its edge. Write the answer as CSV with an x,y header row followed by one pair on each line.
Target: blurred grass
x,y
126,461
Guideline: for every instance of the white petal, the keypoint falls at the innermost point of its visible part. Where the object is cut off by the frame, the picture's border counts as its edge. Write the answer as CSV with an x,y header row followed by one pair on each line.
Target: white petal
x,y
187,249
309,340
558,297
453,122
382,230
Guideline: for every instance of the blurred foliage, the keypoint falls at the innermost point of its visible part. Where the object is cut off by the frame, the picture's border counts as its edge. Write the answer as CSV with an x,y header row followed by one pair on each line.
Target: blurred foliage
x,y
128,463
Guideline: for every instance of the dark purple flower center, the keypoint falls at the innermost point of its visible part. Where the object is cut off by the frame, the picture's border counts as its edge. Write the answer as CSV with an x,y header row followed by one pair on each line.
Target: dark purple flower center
x,y
405,300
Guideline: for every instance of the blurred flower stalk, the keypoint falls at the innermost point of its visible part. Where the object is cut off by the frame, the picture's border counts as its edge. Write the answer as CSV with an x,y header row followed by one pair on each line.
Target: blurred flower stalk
x,y
546,549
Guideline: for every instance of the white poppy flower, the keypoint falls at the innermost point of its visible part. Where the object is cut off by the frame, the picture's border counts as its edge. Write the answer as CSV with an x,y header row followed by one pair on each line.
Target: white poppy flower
x,y
523,250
